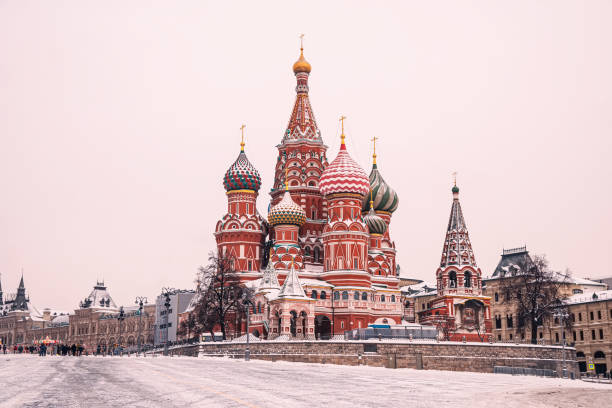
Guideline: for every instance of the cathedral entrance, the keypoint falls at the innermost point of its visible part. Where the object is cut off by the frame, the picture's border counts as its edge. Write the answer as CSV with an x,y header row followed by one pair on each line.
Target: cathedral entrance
x,y
292,322
322,327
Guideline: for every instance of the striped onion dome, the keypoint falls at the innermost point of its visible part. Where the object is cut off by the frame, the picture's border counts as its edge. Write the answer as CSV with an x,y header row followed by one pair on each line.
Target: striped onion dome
x,y
344,175
242,175
287,212
385,198
375,224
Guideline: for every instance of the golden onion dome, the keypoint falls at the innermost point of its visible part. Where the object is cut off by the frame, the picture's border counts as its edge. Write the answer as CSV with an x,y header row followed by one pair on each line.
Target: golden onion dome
x,y
301,65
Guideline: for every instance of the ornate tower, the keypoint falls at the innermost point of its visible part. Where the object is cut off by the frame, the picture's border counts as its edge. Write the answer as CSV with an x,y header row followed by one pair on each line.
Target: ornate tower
x,y
458,272
241,232
301,157
286,217
385,202
460,308
345,236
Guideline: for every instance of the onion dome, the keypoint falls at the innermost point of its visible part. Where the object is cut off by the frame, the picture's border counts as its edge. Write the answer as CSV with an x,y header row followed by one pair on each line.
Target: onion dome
x,y
287,212
301,65
455,190
344,175
242,175
384,197
375,224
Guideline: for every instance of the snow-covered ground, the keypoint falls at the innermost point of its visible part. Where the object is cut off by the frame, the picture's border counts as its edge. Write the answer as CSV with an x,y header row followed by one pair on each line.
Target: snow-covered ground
x,y
32,381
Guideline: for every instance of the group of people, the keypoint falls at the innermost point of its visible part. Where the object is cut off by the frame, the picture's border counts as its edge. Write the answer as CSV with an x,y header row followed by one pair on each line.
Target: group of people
x,y
43,349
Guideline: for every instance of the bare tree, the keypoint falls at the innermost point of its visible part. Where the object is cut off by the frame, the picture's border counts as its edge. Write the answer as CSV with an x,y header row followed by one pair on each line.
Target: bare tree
x,y
536,292
189,327
221,295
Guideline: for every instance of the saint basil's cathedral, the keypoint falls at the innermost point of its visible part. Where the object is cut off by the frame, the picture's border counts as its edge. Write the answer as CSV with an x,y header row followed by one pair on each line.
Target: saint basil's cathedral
x,y
324,262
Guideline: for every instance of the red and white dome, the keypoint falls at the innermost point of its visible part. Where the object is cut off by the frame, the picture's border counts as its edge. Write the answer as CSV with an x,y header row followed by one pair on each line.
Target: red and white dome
x,y
344,175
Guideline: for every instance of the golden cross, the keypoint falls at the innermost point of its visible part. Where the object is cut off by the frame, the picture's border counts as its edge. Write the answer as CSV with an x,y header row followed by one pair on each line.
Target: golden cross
x,y
342,123
374,139
242,138
455,178
302,42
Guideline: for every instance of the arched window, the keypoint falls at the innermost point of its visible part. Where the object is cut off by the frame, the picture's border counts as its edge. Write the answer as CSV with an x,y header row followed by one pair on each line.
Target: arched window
x,y
316,255
467,279
452,279
323,295
599,354
345,295
356,296
496,297
392,298
336,295
258,307
364,296
579,354
314,294
382,298
307,251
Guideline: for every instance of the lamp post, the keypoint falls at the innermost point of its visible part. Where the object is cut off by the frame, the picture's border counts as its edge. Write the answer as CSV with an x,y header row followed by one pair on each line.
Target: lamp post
x,y
167,292
248,303
120,318
140,301
562,315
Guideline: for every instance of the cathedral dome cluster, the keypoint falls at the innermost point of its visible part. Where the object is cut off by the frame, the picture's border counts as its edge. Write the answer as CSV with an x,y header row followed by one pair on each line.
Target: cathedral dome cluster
x,y
376,224
242,175
344,175
384,197
287,212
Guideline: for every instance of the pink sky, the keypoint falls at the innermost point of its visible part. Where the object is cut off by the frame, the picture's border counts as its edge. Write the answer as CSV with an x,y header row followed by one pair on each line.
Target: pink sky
x,y
118,120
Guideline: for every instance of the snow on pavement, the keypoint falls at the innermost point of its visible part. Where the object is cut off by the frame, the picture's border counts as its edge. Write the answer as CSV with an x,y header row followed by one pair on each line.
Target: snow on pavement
x,y
32,381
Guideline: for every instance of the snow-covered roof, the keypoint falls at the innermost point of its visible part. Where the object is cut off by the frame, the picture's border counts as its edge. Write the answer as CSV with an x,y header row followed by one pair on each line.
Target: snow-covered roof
x,y
292,287
419,289
61,319
99,298
589,297
269,280
315,282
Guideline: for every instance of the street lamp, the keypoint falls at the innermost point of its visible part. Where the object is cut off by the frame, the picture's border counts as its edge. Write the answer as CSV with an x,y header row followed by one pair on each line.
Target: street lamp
x,y
562,315
140,301
167,292
120,318
248,303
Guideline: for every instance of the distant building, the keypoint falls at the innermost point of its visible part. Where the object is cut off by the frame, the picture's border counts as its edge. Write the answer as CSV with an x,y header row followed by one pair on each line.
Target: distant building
x,y
589,305
94,324
166,320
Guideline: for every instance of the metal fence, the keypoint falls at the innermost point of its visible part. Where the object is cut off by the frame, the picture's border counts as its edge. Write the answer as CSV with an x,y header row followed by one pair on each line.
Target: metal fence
x,y
539,372
380,333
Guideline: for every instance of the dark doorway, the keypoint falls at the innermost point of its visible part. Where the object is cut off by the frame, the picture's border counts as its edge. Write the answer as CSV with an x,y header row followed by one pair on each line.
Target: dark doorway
x,y
293,322
322,328
601,368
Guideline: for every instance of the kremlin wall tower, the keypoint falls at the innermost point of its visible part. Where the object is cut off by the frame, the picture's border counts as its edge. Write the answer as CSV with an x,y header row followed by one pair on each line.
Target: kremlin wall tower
x,y
323,261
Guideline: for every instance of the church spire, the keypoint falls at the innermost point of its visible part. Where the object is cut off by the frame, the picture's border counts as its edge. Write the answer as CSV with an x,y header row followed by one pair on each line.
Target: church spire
x,y
457,246
292,286
302,124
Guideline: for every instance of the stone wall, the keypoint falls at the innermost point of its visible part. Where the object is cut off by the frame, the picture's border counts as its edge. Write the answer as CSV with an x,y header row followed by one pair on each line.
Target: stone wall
x,y
452,356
